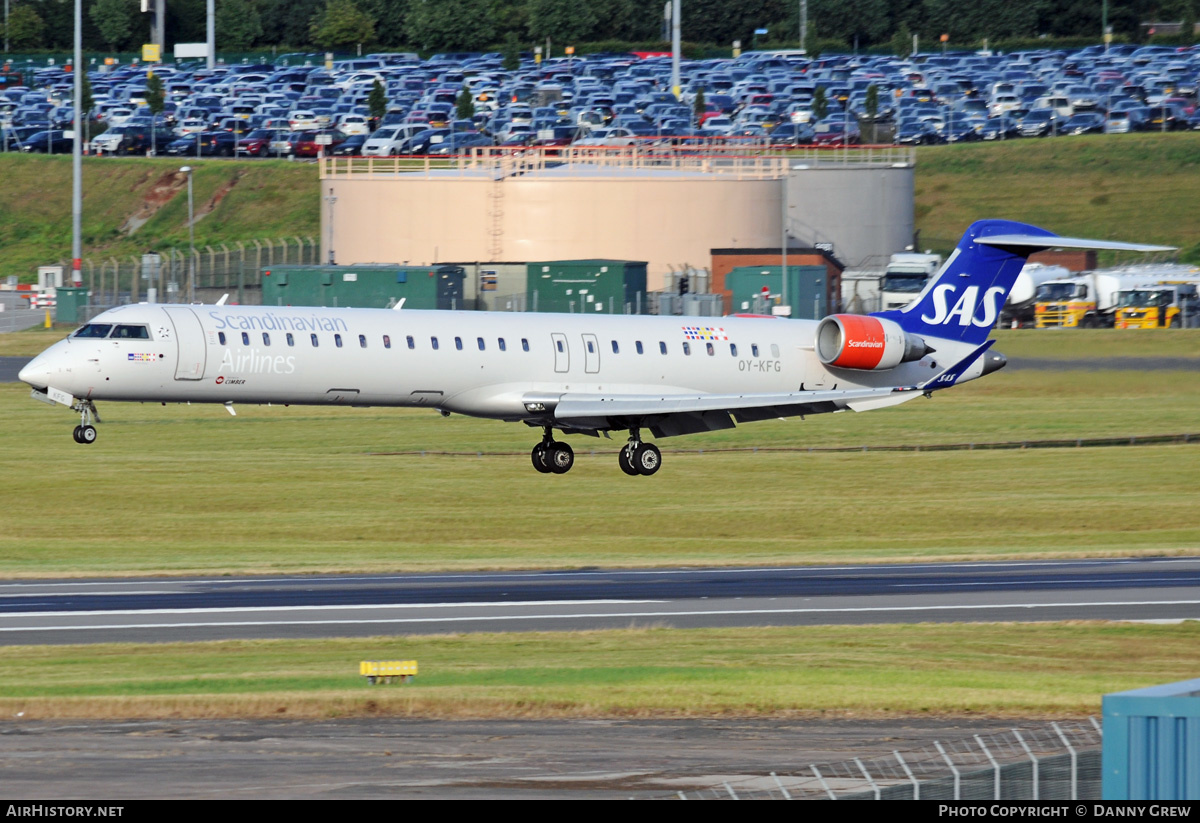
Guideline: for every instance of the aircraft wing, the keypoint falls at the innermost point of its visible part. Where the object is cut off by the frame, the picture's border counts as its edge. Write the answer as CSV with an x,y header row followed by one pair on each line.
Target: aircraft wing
x,y
673,414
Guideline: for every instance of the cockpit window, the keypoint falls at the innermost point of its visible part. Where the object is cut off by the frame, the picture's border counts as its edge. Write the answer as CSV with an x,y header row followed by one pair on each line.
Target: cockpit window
x,y
131,333
94,330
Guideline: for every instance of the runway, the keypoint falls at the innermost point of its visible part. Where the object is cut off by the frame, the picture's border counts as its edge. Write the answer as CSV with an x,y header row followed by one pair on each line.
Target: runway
x,y
170,609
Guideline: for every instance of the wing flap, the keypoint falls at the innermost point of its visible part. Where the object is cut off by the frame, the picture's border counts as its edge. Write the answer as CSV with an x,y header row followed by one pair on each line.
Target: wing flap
x,y
743,406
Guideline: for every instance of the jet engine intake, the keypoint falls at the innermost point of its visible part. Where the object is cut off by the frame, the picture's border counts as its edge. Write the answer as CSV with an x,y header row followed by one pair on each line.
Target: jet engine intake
x,y
855,341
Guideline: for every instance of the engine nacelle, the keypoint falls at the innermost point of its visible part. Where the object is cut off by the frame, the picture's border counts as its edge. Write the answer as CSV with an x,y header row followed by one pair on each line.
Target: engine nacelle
x,y
857,341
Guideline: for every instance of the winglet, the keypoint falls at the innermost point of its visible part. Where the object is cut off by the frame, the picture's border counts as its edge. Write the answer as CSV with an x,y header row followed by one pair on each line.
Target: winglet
x,y
952,375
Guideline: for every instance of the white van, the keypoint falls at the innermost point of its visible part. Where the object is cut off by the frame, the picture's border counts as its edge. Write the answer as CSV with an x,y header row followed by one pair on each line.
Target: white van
x,y
389,140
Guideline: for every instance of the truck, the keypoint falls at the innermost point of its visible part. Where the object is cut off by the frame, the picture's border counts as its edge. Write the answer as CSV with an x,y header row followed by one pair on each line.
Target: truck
x,y
1159,305
905,276
1018,310
1086,301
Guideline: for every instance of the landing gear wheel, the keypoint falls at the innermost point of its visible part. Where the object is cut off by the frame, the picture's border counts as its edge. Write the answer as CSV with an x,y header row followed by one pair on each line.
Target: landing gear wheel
x,y
75,434
540,458
647,458
625,460
87,434
560,458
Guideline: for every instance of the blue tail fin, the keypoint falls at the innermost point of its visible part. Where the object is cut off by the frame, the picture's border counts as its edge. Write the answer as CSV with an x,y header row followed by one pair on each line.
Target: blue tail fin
x,y
963,301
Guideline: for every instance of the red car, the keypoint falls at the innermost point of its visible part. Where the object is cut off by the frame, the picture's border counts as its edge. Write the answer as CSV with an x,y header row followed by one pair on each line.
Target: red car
x,y
304,143
257,142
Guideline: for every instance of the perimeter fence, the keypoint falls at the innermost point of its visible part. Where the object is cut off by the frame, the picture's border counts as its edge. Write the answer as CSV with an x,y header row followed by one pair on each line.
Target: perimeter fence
x,y
1061,762
234,269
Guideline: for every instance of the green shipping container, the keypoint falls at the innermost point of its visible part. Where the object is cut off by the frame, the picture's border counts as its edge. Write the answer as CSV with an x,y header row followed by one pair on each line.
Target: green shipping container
x,y
587,287
805,290
68,302
365,287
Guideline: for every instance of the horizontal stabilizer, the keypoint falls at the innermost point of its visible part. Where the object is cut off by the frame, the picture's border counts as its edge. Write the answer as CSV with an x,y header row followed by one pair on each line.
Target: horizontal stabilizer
x,y
1033,241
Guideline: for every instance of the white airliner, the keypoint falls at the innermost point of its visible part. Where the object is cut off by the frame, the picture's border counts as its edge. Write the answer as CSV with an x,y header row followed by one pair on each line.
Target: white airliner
x,y
574,373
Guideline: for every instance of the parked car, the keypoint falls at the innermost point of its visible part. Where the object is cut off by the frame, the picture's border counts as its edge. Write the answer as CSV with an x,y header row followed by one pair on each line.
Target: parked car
x,y
204,144
51,141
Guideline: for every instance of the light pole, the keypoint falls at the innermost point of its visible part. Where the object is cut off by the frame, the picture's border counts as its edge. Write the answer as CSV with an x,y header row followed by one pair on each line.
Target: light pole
x,y
191,238
331,199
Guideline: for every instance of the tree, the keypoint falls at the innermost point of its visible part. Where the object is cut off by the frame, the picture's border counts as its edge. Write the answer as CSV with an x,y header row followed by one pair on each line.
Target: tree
x,y
820,105
698,105
902,41
238,24
155,101
1187,25
25,28
377,103
114,20
566,21
451,25
512,53
465,105
811,45
871,107
341,24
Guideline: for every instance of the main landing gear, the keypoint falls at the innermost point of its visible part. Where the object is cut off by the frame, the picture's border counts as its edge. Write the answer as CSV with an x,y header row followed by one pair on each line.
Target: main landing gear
x,y
552,456
85,432
636,457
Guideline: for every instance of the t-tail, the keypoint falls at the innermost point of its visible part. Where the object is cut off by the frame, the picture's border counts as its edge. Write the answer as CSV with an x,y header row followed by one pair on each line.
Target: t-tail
x,y
963,300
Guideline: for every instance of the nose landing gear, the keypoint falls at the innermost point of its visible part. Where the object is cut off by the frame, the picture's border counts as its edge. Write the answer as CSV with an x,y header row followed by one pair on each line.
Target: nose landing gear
x,y
85,432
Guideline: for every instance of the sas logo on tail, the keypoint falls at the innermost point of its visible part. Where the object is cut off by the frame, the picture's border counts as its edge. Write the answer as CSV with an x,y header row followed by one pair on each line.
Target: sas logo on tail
x,y
966,308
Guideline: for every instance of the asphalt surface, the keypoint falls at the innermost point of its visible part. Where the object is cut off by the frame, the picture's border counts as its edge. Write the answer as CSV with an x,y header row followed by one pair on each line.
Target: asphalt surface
x,y
169,609
389,758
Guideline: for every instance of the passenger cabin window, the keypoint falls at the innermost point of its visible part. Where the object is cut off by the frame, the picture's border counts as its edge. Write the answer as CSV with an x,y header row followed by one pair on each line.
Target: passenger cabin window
x,y
733,349
524,344
291,340
458,343
362,341
591,347
662,347
687,348
616,348
774,350
412,344
337,340
559,343
479,341
433,342
711,350
221,337
638,345
94,330
245,338
266,339
387,342
131,333
500,343
313,338
754,349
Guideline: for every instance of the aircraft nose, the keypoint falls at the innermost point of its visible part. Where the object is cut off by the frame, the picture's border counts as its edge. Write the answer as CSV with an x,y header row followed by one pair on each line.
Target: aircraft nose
x,y
35,373
994,361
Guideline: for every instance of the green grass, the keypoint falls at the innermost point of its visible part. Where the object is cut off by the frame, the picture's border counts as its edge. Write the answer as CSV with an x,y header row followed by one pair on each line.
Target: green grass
x,y
189,489
233,200
1137,187
998,669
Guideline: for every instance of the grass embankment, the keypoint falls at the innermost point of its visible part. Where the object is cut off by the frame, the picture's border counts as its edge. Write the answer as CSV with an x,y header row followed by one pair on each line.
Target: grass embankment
x,y
189,489
1137,187
134,204
1001,670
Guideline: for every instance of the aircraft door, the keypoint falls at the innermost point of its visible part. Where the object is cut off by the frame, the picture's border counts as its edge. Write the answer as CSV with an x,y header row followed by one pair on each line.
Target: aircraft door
x,y
190,344
591,354
562,355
